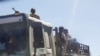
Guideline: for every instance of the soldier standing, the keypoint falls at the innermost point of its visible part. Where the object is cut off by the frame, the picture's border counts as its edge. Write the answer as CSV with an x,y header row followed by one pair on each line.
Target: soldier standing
x,y
62,40
67,38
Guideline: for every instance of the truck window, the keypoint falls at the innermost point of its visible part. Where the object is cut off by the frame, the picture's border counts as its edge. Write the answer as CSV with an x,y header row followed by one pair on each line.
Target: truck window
x,y
12,40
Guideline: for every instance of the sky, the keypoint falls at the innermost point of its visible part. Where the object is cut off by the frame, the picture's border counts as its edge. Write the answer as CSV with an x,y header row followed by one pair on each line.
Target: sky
x,y
80,17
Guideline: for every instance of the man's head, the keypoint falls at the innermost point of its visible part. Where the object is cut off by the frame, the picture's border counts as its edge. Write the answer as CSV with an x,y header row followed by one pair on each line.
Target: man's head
x,y
61,29
33,11
66,31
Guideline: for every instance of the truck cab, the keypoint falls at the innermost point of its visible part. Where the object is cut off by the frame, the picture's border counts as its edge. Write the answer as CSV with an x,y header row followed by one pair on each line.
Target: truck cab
x,y
22,35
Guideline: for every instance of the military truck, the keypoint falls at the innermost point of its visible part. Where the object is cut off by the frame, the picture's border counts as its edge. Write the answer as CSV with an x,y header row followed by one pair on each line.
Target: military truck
x,y
23,35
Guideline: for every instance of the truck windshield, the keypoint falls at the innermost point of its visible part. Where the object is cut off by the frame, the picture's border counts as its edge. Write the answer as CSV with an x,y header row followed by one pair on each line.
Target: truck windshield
x,y
12,40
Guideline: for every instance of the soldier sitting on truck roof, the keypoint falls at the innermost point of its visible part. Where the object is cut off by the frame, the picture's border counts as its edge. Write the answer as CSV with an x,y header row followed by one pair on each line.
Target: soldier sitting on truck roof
x,y
33,14
16,12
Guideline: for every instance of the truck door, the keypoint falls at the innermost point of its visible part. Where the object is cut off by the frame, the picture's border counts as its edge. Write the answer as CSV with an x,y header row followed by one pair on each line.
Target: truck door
x,y
36,40
47,35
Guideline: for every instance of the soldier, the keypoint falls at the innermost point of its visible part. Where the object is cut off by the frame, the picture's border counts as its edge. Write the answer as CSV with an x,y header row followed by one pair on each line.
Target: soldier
x,y
62,40
11,46
67,38
57,41
33,14
16,12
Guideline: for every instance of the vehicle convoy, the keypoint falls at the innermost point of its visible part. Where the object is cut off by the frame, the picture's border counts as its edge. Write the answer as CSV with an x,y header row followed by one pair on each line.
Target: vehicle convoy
x,y
23,35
